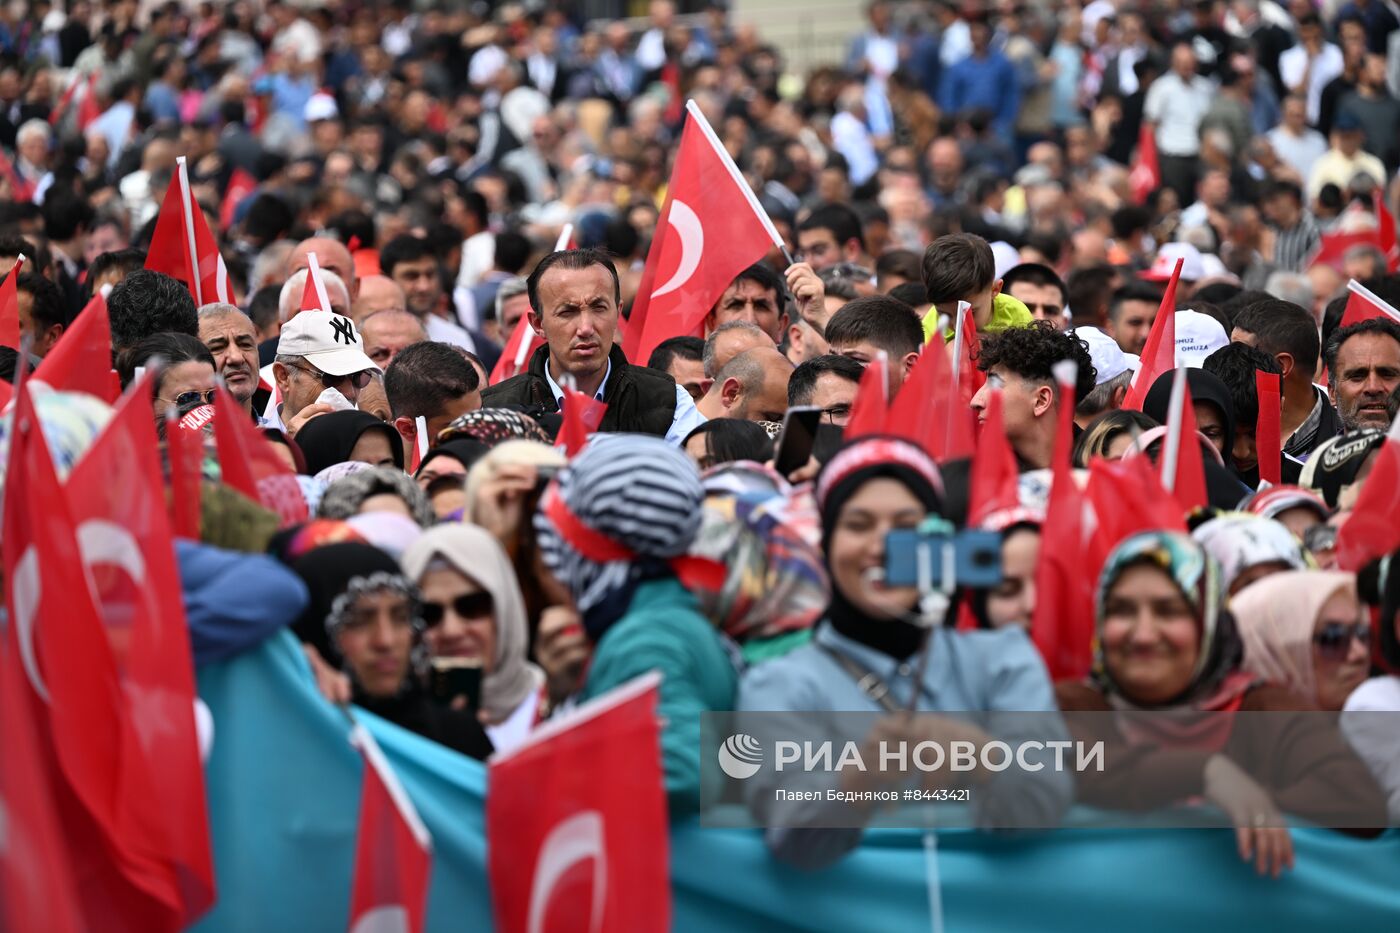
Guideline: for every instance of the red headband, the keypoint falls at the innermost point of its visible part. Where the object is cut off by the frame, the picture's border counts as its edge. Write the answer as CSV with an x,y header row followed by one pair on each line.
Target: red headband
x,y
694,572
867,453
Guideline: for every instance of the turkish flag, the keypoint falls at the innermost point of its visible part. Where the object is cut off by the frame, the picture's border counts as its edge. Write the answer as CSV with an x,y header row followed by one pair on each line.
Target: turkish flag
x,y
929,409
1268,426
869,411
1127,497
515,355
81,361
117,501
1373,528
1182,469
9,307
995,479
393,851
313,292
970,377
182,246
74,696
37,891
240,186
1159,355
710,230
184,450
1332,247
582,415
570,851
1062,625
1386,233
1146,174
248,463
1364,304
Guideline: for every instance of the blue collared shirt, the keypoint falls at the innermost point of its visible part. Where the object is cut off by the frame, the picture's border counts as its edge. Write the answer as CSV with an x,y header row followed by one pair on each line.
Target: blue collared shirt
x,y
686,419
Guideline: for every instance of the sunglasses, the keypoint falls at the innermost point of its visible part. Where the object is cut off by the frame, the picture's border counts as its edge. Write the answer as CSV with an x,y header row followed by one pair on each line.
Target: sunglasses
x,y
1334,641
358,380
192,399
477,605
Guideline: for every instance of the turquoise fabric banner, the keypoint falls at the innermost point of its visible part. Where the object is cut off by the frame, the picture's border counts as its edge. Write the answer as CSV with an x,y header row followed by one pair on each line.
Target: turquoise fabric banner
x,y
284,789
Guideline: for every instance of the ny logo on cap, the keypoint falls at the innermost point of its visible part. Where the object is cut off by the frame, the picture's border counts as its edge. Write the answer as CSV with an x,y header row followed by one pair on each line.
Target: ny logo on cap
x,y
344,329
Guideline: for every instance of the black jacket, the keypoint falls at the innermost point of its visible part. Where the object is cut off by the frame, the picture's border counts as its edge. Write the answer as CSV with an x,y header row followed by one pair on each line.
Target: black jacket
x,y
640,400
417,712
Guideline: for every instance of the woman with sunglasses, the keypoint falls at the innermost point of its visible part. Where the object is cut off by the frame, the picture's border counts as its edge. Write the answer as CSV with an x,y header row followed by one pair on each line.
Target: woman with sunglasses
x,y
472,611
1306,630
186,378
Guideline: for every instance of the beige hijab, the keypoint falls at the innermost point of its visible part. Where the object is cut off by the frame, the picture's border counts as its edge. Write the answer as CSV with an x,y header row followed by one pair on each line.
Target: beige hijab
x,y
1276,617
474,553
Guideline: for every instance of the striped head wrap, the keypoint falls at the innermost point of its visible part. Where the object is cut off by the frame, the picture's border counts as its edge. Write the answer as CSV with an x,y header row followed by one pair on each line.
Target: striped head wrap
x,y
622,511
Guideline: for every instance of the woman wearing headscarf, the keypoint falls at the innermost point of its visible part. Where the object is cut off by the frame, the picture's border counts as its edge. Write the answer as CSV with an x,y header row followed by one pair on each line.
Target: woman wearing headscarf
x,y
473,611
614,527
1210,398
492,426
1249,548
376,489
1306,630
1369,716
1294,507
1164,643
346,437
871,652
365,618
503,491
775,585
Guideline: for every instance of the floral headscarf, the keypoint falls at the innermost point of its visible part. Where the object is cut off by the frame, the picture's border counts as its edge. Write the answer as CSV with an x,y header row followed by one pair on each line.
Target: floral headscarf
x,y
490,426
1198,578
1239,541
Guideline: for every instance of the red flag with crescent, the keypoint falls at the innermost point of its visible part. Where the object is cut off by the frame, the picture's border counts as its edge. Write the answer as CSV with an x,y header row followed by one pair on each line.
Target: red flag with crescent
x,y
182,246
572,852
393,851
711,229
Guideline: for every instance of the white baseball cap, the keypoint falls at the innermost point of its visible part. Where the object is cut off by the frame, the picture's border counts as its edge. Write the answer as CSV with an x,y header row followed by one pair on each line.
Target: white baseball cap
x,y
328,341
320,106
1109,360
1197,337
1192,268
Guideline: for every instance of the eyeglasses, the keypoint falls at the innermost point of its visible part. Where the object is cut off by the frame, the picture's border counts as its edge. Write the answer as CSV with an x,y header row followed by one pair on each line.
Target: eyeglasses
x,y
1334,641
478,605
842,412
359,380
192,399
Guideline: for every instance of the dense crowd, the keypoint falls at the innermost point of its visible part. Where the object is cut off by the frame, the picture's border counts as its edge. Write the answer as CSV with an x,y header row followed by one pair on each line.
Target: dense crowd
x,y
1032,184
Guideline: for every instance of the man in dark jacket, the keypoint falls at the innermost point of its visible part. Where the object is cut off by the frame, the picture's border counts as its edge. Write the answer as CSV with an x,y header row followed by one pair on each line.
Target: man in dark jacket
x,y
574,297
1288,333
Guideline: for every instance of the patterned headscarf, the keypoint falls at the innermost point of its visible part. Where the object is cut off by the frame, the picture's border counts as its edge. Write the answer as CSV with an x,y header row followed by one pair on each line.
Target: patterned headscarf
x,y
776,581
1198,578
619,513
490,426
71,422
1277,616
344,497
1239,541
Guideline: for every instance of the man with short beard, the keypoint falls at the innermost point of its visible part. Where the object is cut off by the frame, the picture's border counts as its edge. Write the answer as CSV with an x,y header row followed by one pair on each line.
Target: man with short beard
x,y
230,336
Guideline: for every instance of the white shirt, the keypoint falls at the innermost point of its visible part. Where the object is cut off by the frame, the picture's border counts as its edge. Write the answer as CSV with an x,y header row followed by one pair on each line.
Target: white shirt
x,y
686,419
651,50
441,330
1372,735
1177,108
850,138
478,256
1328,65
510,732
1300,152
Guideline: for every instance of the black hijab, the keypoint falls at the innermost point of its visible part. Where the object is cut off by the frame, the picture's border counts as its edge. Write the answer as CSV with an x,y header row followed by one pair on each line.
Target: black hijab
x,y
856,464
328,439
328,572
1205,387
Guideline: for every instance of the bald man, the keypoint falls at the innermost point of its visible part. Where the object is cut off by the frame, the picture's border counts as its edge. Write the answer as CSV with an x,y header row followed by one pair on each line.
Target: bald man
x,y
751,387
289,302
332,256
387,332
728,341
377,293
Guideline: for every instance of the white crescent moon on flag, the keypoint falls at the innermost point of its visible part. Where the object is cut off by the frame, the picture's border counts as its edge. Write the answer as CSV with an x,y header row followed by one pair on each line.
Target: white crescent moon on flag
x,y
578,838
390,918
27,587
102,542
687,226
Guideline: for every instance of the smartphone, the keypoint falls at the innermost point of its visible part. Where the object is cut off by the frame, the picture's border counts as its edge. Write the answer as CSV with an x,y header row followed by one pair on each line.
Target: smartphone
x,y
796,438
450,678
915,558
